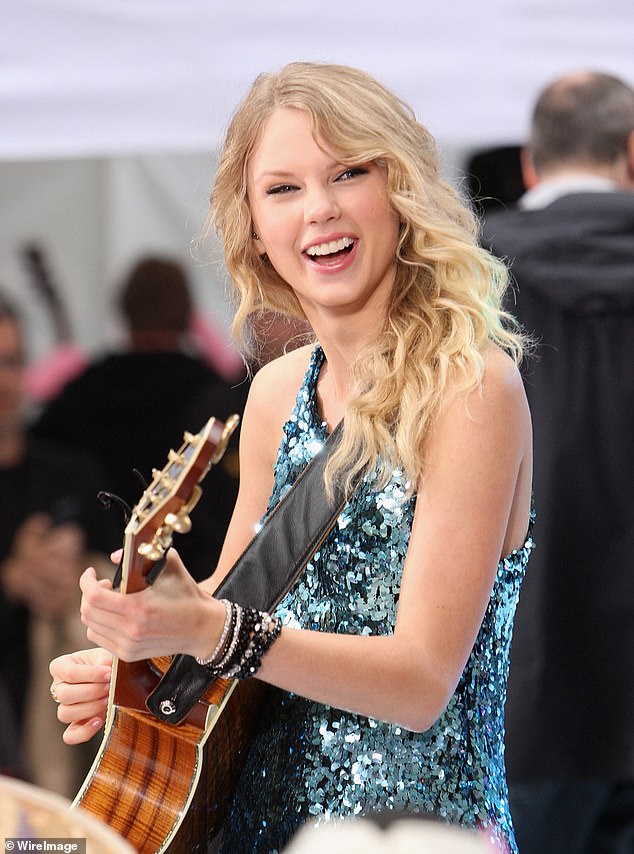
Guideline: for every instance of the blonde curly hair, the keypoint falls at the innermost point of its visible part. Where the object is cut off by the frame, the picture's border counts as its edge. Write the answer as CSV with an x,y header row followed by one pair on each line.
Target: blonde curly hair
x,y
446,302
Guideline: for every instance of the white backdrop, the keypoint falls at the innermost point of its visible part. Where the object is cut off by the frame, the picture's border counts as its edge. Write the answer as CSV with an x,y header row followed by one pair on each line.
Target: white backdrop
x,y
114,76
110,110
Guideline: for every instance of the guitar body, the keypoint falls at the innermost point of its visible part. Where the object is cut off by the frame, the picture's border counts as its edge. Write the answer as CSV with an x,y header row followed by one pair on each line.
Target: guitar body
x,y
168,787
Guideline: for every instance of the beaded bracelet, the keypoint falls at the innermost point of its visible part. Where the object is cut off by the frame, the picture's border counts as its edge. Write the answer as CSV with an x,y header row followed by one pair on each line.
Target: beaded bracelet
x,y
265,631
234,648
210,659
252,634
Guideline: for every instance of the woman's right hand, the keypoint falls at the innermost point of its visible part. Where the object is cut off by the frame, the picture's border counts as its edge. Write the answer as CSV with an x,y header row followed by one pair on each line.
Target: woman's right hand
x,y
81,684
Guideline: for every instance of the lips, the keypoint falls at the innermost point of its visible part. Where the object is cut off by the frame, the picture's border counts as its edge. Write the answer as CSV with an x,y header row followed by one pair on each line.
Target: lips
x,y
334,254
331,247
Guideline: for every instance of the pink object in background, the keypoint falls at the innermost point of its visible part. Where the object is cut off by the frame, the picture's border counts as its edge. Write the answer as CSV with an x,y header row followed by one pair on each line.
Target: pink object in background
x,y
47,376
217,349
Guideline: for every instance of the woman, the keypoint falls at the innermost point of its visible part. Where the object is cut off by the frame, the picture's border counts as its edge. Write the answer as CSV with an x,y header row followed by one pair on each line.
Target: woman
x,y
390,695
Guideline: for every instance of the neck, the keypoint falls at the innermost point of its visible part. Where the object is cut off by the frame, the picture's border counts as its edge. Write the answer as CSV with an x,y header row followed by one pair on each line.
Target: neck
x,y
342,335
615,172
148,340
336,386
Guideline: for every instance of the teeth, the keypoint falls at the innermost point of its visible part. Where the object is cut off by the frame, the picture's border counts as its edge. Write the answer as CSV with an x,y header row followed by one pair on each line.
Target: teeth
x,y
330,248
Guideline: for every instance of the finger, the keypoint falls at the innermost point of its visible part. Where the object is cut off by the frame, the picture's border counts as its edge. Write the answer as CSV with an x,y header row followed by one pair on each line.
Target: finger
x,y
87,665
88,578
120,645
101,606
104,628
99,593
75,694
77,733
82,712
93,656
102,638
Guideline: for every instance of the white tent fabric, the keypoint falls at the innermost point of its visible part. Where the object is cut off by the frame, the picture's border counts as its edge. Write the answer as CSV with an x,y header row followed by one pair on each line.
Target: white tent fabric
x,y
120,76
111,111
93,217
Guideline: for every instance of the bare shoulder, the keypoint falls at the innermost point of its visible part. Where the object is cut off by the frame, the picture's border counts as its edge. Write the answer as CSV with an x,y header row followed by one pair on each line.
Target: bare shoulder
x,y
272,397
501,388
288,369
495,412
276,384
501,374
503,391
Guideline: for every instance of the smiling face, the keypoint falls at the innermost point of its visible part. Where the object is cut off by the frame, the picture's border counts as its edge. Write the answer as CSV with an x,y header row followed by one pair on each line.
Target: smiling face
x,y
327,228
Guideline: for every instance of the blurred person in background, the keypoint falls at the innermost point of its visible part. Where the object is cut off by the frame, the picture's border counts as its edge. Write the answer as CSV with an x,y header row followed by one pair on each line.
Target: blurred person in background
x,y
128,408
51,525
570,243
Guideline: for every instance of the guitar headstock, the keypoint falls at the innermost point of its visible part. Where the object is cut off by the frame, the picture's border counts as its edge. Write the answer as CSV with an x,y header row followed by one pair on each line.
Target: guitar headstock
x,y
166,503
36,262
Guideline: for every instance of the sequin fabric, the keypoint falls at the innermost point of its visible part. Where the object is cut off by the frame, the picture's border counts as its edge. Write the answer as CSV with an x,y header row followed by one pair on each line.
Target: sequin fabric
x,y
313,762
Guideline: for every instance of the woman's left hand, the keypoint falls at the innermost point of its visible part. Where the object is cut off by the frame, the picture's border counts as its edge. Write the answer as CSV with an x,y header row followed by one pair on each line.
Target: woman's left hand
x,y
172,615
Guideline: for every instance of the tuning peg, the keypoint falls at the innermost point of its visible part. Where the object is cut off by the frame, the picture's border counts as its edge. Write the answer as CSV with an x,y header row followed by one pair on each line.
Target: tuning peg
x,y
168,483
175,457
179,522
152,551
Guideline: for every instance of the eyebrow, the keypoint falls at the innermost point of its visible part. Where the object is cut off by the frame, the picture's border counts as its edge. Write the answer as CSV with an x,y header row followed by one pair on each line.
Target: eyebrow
x,y
279,174
273,173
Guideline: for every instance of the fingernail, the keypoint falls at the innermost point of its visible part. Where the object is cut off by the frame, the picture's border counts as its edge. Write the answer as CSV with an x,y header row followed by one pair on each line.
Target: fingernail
x,y
107,676
96,722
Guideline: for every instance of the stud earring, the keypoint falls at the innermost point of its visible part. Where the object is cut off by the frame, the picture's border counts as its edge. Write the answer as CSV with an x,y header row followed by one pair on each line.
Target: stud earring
x,y
255,235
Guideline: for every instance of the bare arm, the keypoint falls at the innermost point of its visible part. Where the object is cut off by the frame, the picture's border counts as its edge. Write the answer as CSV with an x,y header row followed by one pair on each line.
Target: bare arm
x,y
471,509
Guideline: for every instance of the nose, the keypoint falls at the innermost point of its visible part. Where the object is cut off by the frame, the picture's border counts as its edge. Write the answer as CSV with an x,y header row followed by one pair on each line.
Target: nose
x,y
321,204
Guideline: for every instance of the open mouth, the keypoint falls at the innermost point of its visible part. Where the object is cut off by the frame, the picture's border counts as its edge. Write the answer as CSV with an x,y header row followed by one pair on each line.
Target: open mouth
x,y
322,253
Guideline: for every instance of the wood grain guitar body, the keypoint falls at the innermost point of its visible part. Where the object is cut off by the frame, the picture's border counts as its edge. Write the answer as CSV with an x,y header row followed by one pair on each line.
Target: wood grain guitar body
x,y
168,788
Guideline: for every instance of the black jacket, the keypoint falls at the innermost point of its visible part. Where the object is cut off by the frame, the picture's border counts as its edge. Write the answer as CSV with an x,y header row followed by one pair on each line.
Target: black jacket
x,y
570,702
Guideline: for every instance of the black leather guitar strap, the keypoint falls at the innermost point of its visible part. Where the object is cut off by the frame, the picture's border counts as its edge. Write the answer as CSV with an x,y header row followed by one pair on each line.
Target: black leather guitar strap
x,y
260,578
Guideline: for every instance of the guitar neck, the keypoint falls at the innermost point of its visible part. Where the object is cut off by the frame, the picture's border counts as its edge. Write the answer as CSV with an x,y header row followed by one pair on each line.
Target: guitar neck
x,y
163,509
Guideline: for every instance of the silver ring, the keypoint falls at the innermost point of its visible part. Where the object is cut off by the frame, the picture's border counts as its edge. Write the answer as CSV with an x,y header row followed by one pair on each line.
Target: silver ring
x,y
53,690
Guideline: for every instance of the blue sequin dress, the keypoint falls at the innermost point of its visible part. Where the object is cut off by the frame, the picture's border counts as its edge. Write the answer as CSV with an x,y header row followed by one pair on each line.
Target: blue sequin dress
x,y
311,761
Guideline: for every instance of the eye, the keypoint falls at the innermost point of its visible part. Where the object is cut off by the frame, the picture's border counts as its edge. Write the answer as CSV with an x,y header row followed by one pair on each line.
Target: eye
x,y
351,172
279,189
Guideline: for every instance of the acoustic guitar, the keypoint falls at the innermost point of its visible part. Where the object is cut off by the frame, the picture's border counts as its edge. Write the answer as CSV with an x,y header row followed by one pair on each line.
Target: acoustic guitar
x,y
165,787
